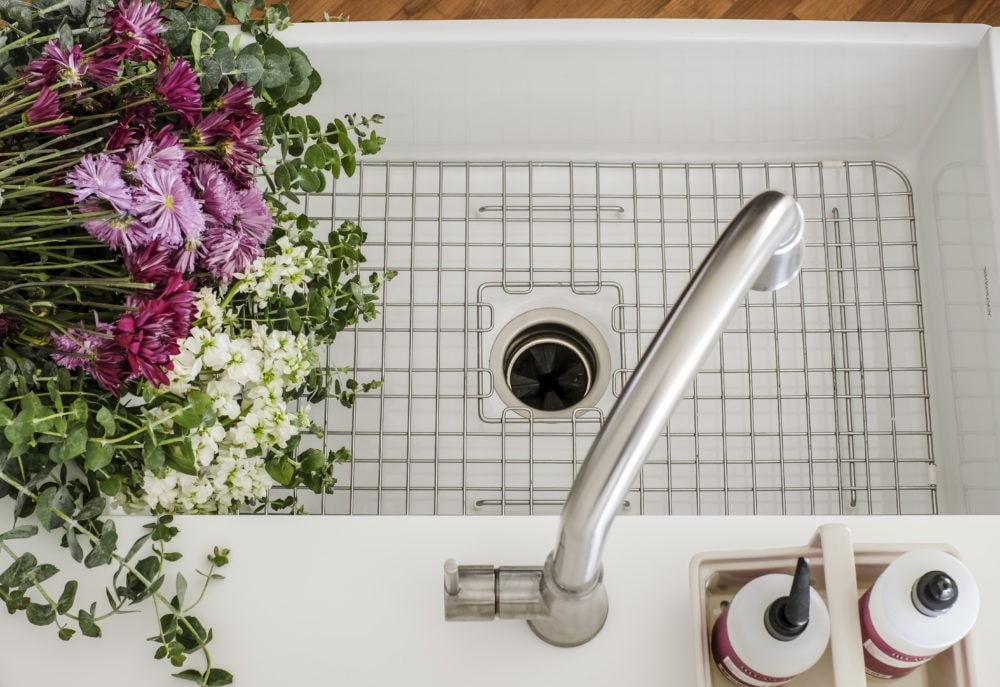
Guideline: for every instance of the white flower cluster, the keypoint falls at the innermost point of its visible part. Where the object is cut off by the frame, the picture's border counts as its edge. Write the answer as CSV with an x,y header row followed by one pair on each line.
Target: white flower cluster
x,y
250,376
290,271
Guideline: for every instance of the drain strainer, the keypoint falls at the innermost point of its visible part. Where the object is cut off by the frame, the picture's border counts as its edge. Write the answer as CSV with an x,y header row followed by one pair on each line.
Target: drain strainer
x,y
550,367
552,361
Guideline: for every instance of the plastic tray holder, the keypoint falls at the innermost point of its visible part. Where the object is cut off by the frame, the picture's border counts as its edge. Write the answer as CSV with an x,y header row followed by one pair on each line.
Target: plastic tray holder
x,y
841,572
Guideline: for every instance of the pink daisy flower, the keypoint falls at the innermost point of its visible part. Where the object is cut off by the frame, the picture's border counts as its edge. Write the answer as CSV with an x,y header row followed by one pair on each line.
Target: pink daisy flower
x,y
100,176
123,233
225,251
254,218
218,195
165,203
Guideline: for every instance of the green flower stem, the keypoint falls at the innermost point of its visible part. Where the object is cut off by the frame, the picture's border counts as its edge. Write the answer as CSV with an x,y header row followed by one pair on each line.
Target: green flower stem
x,y
29,161
107,284
204,588
25,127
57,6
26,39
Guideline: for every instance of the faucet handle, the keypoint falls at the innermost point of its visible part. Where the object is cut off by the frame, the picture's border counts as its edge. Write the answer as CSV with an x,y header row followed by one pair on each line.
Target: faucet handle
x,y
451,578
469,591
484,592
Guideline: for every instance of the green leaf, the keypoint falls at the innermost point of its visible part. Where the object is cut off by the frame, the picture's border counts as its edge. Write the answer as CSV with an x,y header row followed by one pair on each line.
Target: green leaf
x,y
105,547
88,627
350,163
49,502
79,410
204,18
198,412
67,597
21,429
41,573
153,456
190,674
6,377
310,181
180,457
98,455
75,443
16,573
249,68
242,10
282,471
92,508
180,586
136,546
110,486
66,633
41,614
176,34
75,550
21,532
217,677
315,155
106,419
5,413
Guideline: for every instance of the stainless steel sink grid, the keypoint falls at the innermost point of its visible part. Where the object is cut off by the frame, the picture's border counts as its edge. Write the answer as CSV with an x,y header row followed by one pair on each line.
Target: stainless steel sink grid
x,y
816,401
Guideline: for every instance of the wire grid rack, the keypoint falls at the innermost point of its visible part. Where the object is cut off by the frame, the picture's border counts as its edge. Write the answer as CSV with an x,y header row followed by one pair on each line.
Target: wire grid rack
x,y
815,401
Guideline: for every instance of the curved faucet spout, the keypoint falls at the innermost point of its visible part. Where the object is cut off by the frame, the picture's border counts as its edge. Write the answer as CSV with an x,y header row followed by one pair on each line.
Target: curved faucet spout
x,y
761,249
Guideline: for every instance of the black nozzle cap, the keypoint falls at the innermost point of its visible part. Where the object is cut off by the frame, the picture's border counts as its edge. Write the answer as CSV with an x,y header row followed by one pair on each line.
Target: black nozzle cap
x,y
788,616
935,593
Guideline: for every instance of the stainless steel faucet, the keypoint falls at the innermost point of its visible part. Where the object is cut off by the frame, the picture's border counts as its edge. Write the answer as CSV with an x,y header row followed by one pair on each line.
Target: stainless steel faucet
x,y
564,601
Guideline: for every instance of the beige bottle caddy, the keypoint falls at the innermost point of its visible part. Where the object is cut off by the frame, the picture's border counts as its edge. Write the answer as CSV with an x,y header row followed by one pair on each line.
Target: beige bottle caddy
x,y
841,572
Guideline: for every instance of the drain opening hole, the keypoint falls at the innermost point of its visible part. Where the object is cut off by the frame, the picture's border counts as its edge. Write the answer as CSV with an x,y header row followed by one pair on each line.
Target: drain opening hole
x,y
550,367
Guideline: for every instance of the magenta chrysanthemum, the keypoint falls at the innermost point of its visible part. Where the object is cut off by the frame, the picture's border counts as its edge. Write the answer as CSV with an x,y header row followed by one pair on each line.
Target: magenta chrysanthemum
x,y
152,264
8,327
131,128
165,203
150,336
149,154
218,195
123,232
240,152
56,65
237,101
100,176
225,251
135,28
178,86
96,353
254,218
46,109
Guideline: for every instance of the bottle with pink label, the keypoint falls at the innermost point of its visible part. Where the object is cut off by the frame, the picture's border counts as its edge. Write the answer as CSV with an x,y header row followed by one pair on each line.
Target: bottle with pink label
x,y
775,628
923,603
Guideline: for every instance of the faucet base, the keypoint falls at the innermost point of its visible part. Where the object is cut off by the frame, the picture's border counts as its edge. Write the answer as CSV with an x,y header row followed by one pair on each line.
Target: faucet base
x,y
573,618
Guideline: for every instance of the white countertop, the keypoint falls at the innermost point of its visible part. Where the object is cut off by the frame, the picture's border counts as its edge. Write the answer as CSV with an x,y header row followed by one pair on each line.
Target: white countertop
x,y
358,601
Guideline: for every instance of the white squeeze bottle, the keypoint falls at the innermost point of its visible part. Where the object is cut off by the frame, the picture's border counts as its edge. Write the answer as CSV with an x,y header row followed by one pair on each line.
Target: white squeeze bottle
x,y
924,602
775,628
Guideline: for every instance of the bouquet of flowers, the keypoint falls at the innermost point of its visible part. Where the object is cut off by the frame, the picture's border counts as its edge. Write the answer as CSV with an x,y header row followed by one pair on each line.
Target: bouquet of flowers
x,y
150,263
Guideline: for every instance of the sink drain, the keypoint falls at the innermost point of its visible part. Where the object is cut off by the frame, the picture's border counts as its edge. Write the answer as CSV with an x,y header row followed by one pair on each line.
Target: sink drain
x,y
551,361
550,367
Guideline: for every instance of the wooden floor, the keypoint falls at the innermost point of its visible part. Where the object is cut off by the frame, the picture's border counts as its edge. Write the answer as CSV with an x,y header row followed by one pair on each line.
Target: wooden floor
x,y
972,11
